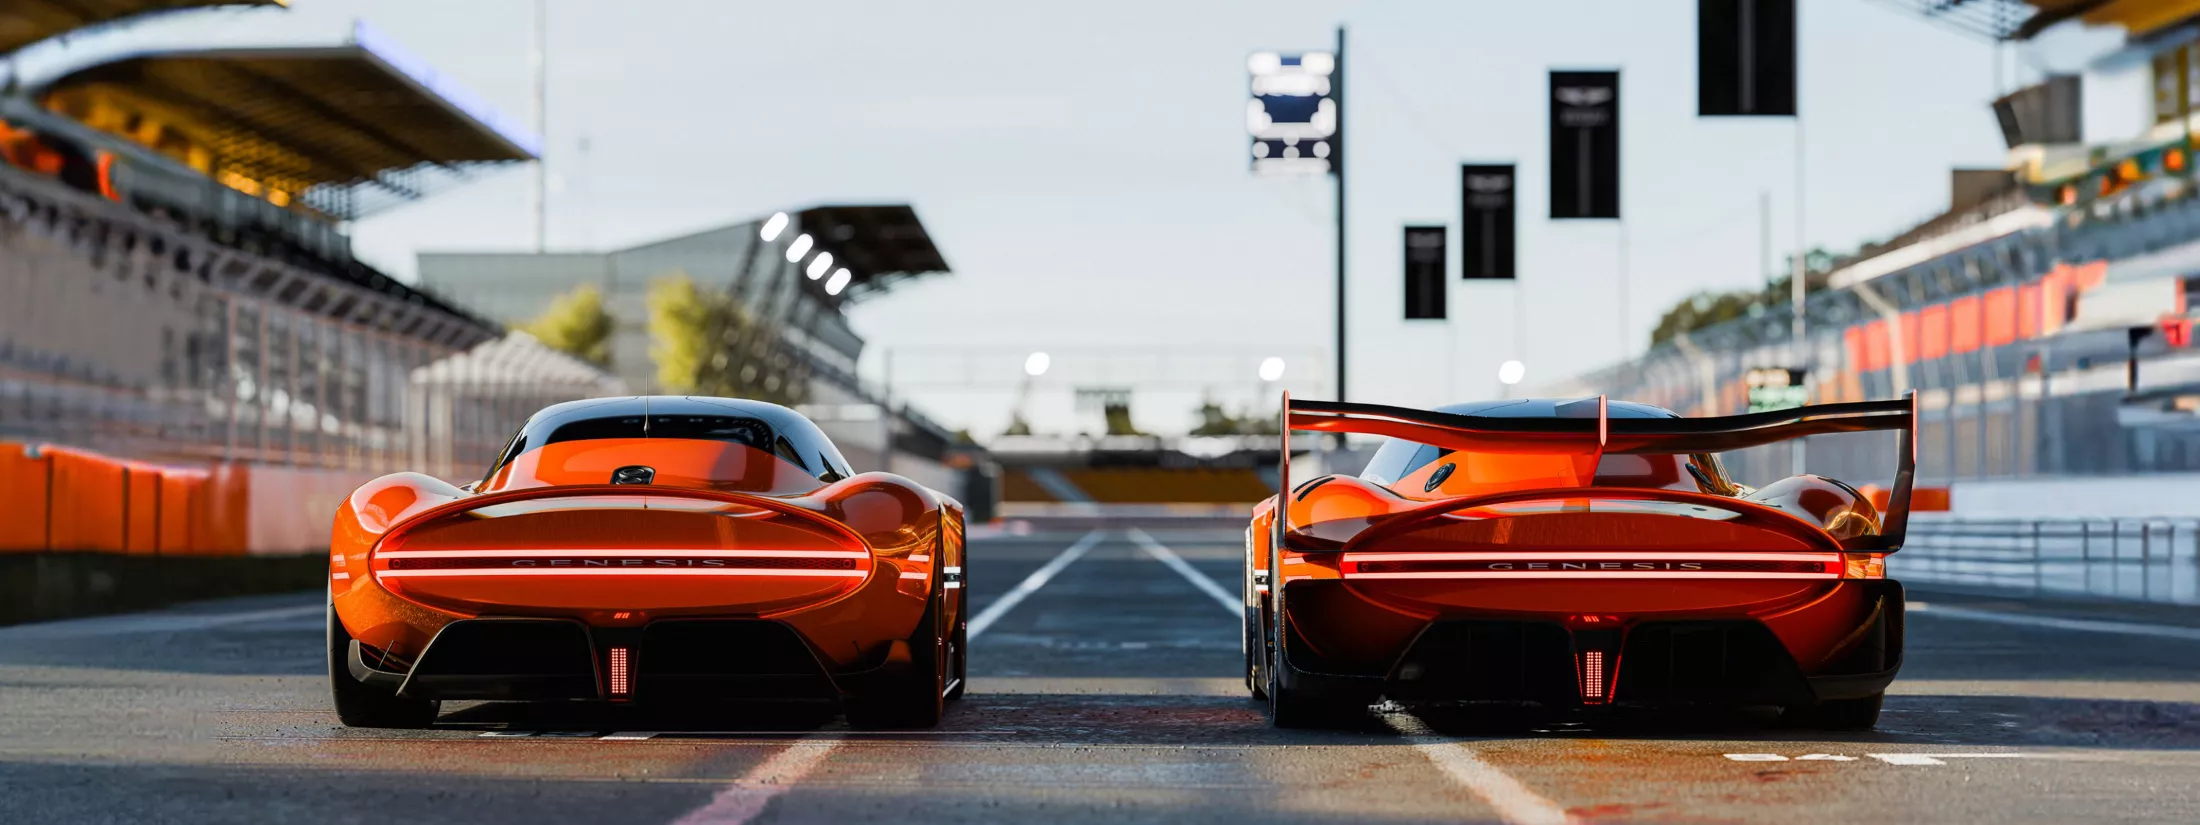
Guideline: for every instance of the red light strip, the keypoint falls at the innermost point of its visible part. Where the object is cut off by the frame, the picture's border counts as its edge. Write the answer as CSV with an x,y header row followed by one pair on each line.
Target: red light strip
x,y
619,675
615,571
1587,574
627,551
1546,555
1833,565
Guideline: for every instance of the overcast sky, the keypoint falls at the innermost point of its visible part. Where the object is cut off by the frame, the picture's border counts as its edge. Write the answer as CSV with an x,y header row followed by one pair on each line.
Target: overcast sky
x,y
1082,166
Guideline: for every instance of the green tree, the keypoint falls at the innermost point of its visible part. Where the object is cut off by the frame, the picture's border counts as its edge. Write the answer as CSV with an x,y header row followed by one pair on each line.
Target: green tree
x,y
705,342
1214,420
577,325
1118,415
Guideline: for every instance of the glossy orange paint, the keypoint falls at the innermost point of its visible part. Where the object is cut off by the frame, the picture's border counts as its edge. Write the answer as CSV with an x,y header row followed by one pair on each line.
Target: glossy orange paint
x,y
1553,536
724,531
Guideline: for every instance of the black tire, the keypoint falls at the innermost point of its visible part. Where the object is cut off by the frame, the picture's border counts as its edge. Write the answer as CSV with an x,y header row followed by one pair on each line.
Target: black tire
x,y
361,705
1861,713
915,698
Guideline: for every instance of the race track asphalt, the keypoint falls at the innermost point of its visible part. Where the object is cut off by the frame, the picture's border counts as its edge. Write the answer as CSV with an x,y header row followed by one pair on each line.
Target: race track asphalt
x,y
1110,693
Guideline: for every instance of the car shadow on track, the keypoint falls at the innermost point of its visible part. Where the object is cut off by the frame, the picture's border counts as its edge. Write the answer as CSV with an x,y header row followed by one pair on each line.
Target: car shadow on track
x,y
1998,721
576,717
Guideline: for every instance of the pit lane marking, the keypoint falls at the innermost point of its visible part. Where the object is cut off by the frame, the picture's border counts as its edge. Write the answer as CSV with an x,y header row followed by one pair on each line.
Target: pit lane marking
x,y
1514,802
1161,553
747,797
1031,584
741,801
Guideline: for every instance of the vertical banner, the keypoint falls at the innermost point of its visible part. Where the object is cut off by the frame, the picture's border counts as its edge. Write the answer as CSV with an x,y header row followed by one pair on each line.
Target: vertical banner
x,y
1486,215
1745,58
1584,145
1425,255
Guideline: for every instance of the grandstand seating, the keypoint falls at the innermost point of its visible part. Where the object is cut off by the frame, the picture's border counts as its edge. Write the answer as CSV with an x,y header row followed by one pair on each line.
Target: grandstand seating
x,y
1168,485
1018,485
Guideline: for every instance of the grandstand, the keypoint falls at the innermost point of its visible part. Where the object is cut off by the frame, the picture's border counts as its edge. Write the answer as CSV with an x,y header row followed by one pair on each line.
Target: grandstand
x,y
1221,474
2044,322
184,334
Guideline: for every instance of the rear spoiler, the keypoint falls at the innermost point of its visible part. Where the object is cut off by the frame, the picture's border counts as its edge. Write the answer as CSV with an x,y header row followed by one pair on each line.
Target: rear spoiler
x,y
1585,427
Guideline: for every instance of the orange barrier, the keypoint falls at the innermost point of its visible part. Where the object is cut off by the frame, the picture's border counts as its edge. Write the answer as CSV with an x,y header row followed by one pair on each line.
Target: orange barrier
x,y
1922,499
63,499
23,499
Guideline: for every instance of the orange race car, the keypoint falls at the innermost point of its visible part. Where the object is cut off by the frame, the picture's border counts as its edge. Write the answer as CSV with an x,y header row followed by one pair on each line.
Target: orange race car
x,y
1574,555
660,549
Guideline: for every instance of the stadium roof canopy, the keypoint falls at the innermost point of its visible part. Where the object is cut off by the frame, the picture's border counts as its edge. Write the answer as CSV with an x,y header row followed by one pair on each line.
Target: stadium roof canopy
x,y
2024,19
880,245
30,21
354,127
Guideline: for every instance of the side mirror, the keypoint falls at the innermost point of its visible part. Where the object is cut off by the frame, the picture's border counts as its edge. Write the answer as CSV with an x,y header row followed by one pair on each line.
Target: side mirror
x,y
468,486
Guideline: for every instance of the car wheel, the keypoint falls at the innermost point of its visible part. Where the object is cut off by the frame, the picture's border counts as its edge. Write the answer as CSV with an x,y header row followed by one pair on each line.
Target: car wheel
x,y
361,705
1861,713
916,698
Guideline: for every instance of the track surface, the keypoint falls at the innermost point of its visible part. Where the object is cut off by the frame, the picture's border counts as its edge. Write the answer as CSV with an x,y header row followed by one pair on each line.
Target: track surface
x,y
1109,693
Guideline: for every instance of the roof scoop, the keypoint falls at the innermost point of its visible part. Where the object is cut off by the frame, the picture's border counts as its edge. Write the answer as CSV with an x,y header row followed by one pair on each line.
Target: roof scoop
x,y
633,474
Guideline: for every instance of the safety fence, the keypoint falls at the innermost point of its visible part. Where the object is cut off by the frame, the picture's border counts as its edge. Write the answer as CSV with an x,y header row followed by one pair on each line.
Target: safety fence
x,y
2148,560
134,336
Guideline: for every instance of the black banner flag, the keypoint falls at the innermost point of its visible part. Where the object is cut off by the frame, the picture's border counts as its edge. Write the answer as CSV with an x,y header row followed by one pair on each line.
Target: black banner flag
x,y
1584,145
1745,57
1425,285
1486,215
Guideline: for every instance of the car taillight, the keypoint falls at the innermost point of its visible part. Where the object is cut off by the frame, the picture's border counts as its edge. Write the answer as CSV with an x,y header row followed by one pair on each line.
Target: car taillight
x,y
621,675
1863,565
1592,677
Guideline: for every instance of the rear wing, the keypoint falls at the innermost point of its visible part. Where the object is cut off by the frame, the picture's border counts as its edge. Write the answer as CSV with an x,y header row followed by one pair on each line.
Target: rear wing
x,y
1586,428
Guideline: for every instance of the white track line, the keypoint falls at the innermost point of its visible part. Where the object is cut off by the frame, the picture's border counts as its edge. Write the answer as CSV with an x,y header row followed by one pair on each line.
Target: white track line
x,y
1515,803
746,798
1209,586
2088,625
742,801
1031,584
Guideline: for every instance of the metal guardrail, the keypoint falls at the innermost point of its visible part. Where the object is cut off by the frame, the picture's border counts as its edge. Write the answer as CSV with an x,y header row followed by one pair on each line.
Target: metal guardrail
x,y
2146,560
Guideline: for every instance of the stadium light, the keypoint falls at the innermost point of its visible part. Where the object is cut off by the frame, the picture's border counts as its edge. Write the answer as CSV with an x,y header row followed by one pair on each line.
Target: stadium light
x,y
1036,365
773,227
799,248
819,265
1271,369
839,282
1510,372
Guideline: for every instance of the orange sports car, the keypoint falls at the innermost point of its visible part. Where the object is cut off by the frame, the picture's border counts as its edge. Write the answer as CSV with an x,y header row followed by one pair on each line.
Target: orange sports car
x,y
661,550
1574,555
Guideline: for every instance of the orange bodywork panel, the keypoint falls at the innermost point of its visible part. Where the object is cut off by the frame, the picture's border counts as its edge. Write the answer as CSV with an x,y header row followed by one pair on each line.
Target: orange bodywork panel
x,y
1599,528
723,531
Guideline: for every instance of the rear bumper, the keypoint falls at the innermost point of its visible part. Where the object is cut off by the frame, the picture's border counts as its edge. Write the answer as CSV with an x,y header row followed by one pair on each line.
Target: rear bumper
x,y
816,651
1658,659
563,659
